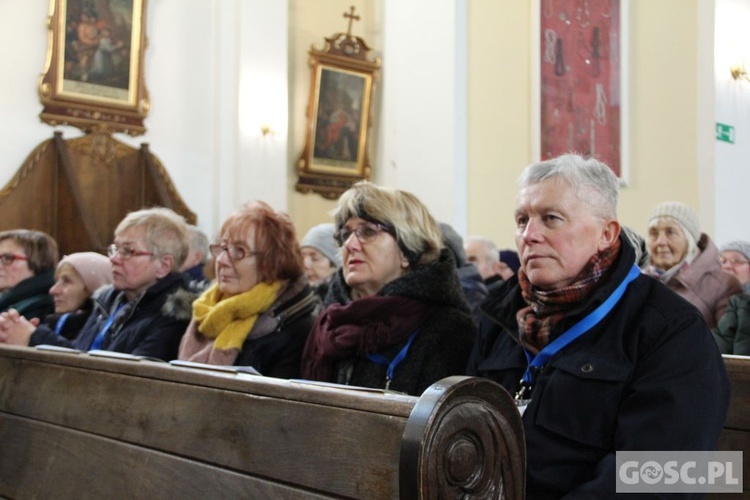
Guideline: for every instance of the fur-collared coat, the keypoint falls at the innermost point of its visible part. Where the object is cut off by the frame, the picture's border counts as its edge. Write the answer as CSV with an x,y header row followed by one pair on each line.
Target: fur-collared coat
x,y
153,327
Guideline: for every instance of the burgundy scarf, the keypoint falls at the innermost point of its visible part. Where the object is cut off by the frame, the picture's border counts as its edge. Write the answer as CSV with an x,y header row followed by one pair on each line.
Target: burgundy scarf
x,y
547,307
362,327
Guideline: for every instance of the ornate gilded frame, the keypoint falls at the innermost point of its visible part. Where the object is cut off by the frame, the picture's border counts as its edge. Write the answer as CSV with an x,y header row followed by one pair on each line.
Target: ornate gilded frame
x,y
93,74
339,116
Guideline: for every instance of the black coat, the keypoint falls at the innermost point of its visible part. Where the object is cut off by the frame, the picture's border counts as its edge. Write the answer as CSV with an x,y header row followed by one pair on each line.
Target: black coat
x,y
443,343
31,297
648,377
73,322
278,353
153,328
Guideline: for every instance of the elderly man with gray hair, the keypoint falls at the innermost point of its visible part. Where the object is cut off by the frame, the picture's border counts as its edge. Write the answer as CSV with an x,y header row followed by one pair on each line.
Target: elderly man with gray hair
x,y
483,253
601,358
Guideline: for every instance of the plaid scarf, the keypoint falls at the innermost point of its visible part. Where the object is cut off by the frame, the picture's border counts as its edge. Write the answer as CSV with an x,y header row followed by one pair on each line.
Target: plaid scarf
x,y
537,321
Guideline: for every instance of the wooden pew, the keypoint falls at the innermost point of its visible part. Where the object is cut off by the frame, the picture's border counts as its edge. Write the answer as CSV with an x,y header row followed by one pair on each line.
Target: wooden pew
x,y
736,433
84,426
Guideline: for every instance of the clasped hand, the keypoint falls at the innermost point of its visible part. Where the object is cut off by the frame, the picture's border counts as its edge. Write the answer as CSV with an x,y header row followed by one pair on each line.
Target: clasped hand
x,y
16,329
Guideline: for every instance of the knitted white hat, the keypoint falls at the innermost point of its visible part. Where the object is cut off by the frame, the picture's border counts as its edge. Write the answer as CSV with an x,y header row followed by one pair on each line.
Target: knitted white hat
x,y
680,212
742,247
320,237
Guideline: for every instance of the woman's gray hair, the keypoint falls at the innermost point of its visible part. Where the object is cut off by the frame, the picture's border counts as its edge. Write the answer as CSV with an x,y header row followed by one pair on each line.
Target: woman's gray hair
x,y
587,176
416,231
165,232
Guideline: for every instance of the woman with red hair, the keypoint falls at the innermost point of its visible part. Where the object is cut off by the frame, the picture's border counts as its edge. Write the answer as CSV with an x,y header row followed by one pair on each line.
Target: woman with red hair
x,y
259,310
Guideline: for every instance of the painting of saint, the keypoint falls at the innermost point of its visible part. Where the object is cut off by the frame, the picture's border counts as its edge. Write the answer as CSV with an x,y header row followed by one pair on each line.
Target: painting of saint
x,y
339,116
97,58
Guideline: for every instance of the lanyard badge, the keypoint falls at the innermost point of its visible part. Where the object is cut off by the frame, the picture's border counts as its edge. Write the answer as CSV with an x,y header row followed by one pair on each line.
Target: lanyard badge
x,y
536,363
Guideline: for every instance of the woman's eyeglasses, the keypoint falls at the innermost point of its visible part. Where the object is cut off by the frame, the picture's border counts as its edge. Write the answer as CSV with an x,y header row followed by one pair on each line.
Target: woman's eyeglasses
x,y
125,251
733,262
9,258
235,252
364,233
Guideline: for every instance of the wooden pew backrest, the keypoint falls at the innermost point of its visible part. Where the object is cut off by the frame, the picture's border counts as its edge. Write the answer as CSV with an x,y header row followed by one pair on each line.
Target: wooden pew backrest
x,y
82,426
736,433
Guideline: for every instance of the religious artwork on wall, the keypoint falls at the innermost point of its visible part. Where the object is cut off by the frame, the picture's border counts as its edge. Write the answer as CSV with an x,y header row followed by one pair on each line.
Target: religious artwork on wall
x,y
93,75
335,155
582,80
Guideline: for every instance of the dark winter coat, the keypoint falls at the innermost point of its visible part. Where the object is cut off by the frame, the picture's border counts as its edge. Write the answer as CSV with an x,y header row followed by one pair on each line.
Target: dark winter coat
x,y
732,334
279,353
72,323
647,377
31,297
443,343
474,288
275,343
153,328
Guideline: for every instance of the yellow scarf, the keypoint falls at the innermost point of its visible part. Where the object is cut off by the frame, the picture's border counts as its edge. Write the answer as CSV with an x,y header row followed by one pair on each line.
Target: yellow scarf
x,y
229,320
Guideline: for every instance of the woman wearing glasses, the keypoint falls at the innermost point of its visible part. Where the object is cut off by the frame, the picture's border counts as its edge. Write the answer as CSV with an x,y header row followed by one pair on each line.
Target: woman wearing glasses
x,y
259,310
686,260
732,334
395,316
27,267
147,308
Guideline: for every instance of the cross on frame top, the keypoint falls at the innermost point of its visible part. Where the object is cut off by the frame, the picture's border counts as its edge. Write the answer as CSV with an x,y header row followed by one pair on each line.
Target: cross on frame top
x,y
351,17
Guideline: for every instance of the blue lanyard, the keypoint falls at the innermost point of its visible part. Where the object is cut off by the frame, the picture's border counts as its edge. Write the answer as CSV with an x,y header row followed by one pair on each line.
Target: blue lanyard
x,y
61,323
392,364
100,336
575,331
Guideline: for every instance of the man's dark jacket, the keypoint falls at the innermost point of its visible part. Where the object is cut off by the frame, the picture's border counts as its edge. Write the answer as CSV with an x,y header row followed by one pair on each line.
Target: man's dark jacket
x,y
649,376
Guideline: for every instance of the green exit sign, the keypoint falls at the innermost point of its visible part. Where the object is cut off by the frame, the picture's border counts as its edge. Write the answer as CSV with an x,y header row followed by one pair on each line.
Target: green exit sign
x,y
724,132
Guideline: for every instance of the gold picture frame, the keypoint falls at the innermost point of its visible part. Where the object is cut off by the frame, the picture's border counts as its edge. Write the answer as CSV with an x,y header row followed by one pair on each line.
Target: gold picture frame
x,y
93,75
339,116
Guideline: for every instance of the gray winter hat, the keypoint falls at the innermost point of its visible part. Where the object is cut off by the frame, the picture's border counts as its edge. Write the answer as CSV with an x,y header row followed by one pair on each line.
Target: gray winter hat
x,y
740,246
454,242
320,238
682,213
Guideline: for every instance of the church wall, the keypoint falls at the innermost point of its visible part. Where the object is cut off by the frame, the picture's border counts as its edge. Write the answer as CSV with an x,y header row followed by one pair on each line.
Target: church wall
x,y
217,70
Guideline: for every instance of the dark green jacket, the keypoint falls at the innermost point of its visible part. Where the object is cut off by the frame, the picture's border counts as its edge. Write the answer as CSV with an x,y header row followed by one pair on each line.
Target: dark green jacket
x,y
732,334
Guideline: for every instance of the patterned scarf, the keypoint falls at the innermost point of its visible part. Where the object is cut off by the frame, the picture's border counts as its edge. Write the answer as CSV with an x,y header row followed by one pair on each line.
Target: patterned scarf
x,y
537,321
229,320
361,327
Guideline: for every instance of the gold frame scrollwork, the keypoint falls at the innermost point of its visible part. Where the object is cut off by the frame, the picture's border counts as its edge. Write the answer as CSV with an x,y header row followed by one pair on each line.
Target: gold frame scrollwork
x,y
339,116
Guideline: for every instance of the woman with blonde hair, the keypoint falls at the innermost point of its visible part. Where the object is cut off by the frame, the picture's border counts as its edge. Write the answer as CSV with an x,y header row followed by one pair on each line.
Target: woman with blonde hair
x,y
395,316
146,308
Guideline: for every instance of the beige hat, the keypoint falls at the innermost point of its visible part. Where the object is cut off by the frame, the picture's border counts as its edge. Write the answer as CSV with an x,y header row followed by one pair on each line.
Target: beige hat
x,y
682,213
94,268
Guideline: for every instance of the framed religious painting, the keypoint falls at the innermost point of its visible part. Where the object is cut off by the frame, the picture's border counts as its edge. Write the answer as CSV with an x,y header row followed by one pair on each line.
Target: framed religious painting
x,y
582,68
339,111
93,74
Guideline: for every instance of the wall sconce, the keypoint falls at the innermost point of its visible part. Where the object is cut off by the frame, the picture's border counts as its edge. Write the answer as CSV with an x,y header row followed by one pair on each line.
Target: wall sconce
x,y
739,72
266,130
